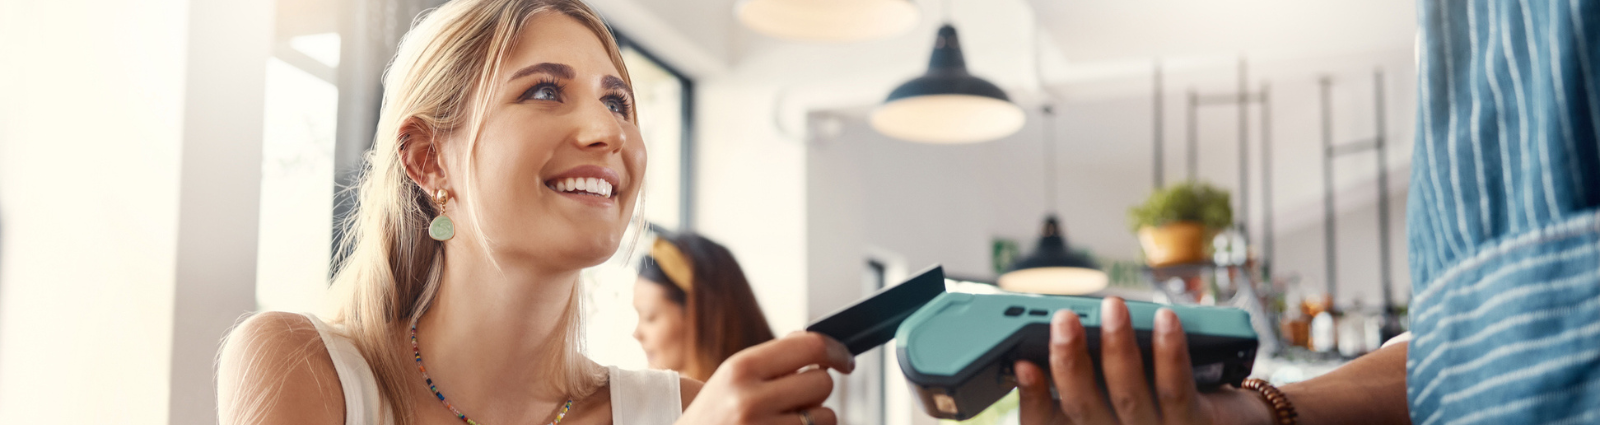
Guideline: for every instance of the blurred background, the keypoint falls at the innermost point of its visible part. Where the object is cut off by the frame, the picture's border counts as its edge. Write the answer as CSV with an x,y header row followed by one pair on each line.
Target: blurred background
x,y
167,166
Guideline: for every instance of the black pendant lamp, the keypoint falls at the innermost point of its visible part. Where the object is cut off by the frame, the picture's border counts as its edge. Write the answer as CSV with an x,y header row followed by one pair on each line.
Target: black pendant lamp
x,y
1053,267
948,105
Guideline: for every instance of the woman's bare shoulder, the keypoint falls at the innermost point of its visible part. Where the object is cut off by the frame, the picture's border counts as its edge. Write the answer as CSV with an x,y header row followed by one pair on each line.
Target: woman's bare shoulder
x,y
274,369
688,388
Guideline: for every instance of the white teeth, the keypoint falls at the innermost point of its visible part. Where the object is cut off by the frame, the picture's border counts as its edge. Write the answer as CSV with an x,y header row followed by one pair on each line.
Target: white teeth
x,y
589,185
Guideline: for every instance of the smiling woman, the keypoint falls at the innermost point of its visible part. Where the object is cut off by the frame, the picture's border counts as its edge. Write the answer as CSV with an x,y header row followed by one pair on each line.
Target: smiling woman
x,y
514,121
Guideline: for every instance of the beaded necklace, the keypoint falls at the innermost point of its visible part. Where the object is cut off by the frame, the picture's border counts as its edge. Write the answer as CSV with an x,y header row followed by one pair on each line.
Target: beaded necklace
x,y
562,413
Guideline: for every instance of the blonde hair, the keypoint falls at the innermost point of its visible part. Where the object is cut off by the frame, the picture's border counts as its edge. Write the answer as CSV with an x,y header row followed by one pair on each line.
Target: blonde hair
x,y
440,81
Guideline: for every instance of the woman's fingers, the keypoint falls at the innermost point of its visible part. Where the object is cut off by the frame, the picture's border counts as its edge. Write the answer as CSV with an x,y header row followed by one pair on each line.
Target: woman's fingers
x,y
1073,371
771,383
786,355
1123,366
1174,375
809,388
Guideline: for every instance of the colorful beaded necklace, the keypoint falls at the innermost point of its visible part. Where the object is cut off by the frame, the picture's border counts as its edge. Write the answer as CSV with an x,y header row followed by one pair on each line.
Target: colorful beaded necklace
x,y
562,413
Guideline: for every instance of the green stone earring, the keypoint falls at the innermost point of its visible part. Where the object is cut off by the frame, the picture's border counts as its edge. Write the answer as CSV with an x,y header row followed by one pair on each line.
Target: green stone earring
x,y
441,229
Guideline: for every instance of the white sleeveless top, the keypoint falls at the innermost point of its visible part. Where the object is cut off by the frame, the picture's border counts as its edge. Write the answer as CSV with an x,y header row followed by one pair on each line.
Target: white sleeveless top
x,y
638,397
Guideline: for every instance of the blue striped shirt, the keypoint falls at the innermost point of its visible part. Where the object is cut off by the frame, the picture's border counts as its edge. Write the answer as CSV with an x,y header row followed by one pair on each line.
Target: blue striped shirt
x,y
1504,233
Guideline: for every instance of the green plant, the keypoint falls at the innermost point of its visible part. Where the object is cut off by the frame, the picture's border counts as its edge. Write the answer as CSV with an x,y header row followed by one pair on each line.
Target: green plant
x,y
1186,201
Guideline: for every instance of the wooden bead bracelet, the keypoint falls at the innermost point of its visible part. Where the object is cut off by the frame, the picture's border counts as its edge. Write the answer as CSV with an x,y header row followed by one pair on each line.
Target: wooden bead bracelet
x,y
1282,410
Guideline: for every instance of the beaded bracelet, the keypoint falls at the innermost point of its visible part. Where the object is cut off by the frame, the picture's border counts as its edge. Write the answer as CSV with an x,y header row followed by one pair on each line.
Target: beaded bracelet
x,y
1282,410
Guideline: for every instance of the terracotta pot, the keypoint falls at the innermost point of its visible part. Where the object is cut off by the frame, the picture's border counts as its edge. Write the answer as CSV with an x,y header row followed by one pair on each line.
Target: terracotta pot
x,y
1175,243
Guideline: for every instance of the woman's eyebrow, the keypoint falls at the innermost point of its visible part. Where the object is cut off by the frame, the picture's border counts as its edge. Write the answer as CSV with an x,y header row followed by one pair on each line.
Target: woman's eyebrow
x,y
612,82
562,71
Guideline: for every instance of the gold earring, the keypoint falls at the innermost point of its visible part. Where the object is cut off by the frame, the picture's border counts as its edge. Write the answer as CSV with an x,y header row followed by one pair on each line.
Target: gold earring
x,y
441,229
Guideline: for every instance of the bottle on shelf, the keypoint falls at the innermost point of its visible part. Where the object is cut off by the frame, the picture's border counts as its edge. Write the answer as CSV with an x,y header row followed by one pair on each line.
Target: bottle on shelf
x,y
1324,328
1352,325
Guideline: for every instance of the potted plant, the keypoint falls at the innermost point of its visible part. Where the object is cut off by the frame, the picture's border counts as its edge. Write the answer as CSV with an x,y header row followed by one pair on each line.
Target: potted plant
x,y
1174,223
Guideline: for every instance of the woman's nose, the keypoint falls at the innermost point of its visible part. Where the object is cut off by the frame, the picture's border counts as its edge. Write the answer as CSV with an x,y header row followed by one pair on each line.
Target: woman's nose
x,y
598,128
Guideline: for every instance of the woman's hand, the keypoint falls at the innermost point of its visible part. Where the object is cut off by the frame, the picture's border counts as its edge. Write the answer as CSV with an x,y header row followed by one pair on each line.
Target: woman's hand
x,y
1173,401
773,383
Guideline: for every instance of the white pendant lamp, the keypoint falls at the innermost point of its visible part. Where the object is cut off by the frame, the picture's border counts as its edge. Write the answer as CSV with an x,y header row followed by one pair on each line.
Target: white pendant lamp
x,y
828,20
947,105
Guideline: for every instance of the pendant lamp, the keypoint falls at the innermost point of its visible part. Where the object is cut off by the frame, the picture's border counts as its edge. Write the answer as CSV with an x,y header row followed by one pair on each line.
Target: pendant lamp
x,y
828,20
1053,267
947,105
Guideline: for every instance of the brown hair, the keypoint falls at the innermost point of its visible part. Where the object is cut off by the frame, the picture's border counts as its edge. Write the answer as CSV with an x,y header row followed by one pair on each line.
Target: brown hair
x,y
721,311
440,78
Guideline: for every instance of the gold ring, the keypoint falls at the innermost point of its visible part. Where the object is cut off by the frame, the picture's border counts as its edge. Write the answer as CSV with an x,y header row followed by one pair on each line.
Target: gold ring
x,y
805,417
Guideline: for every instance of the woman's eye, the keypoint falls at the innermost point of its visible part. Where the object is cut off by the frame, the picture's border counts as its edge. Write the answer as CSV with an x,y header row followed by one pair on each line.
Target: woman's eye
x,y
543,90
617,104
544,93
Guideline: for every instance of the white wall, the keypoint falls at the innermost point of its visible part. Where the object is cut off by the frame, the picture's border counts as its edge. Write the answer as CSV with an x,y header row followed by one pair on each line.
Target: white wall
x,y
1356,232
90,138
129,171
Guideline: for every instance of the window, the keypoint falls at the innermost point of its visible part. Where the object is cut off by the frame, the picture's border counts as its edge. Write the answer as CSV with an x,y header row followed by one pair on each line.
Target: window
x,y
300,117
663,99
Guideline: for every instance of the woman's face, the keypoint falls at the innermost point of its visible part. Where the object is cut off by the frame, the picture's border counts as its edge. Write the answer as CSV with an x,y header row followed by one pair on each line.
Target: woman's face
x,y
559,161
662,327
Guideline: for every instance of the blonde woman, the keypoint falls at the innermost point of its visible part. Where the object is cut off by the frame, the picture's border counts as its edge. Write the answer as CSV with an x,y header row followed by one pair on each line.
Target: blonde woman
x,y
507,159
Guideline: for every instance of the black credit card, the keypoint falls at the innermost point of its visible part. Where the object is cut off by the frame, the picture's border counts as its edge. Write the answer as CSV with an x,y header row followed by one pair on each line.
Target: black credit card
x,y
873,321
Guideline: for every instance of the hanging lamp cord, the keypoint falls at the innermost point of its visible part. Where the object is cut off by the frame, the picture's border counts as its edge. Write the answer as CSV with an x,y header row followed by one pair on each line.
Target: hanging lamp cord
x,y
1049,117
1048,111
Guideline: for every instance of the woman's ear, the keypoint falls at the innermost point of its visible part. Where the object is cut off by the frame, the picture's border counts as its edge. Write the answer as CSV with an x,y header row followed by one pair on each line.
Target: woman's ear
x,y
419,153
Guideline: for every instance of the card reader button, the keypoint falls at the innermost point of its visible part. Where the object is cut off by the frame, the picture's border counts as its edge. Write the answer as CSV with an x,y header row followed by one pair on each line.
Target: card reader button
x,y
1014,311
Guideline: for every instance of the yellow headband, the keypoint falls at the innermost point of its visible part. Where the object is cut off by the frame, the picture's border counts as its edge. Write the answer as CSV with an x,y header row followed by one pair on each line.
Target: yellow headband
x,y
673,264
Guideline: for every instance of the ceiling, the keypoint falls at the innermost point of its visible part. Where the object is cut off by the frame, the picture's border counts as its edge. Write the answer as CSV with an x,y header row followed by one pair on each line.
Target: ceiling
x,y
1086,38
1093,31
1083,35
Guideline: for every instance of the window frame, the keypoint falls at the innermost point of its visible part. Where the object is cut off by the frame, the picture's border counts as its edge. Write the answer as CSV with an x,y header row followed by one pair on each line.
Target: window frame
x,y
686,161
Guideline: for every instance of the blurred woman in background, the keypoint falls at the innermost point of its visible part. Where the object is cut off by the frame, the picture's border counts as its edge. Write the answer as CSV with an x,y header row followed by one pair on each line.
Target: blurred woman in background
x,y
695,306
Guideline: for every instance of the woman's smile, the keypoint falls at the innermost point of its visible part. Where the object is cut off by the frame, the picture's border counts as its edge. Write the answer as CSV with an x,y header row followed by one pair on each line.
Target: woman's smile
x,y
588,184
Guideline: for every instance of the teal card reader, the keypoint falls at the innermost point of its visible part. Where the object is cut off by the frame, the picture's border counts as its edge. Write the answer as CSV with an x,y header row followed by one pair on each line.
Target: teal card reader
x,y
957,351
